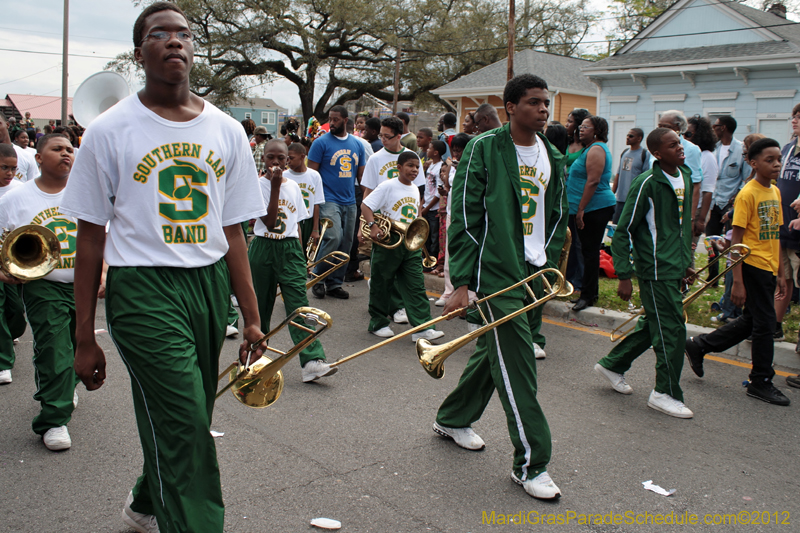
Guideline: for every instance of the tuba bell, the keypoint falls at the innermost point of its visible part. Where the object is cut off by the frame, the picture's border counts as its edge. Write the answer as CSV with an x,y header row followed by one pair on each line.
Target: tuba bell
x,y
97,94
29,252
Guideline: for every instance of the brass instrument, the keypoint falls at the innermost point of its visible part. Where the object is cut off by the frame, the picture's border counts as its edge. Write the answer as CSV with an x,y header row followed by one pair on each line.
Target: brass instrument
x,y
260,384
428,261
432,357
336,258
413,234
311,248
29,252
740,250
563,259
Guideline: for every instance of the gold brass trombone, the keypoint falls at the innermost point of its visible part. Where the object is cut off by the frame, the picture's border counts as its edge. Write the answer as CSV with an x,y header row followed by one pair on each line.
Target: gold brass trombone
x,y
335,258
567,289
432,357
260,384
29,252
311,248
739,250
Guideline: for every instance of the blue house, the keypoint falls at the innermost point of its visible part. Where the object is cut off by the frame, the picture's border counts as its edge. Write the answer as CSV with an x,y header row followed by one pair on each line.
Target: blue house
x,y
708,58
263,111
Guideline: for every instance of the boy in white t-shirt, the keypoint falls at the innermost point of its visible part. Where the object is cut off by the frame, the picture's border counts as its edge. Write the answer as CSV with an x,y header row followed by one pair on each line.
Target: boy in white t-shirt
x,y
49,302
397,199
12,315
430,202
310,183
277,257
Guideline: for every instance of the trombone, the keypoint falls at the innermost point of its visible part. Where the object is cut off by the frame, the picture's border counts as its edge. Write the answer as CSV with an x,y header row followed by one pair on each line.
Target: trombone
x,y
311,248
260,384
739,250
29,252
432,357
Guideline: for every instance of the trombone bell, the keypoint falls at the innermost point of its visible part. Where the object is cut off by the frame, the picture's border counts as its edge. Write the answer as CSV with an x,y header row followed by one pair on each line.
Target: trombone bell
x,y
29,252
253,390
432,356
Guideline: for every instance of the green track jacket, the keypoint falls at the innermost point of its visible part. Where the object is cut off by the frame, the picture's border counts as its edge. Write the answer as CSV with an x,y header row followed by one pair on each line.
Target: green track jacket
x,y
485,236
651,226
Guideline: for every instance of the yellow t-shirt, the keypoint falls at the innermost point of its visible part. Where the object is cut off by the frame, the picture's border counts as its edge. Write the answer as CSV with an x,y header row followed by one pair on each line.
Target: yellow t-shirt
x,y
758,211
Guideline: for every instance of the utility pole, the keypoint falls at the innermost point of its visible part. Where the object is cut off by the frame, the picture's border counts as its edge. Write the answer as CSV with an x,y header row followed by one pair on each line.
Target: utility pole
x,y
511,33
396,80
65,66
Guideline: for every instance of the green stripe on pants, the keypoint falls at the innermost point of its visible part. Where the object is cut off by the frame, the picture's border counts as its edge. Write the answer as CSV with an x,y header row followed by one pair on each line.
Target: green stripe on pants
x,y
282,262
400,271
169,326
504,360
12,323
50,307
661,327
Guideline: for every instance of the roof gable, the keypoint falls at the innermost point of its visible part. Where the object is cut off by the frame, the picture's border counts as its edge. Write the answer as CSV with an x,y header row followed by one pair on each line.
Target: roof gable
x,y
41,107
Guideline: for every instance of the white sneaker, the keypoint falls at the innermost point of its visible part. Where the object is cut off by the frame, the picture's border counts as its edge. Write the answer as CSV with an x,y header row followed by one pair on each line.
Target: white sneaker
x,y
5,377
231,331
234,301
541,486
384,332
464,437
75,399
617,380
16,341
427,334
317,369
538,351
57,439
400,317
668,405
440,302
141,523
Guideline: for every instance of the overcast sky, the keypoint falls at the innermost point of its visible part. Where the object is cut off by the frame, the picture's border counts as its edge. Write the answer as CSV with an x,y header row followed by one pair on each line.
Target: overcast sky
x,y
100,29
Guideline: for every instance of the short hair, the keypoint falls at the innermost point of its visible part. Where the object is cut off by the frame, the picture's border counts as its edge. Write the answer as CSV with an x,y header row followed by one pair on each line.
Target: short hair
x,y
519,85
427,132
439,146
761,145
342,110
406,156
297,148
138,26
48,129
639,132
404,117
680,118
373,123
655,138
394,124
703,136
728,121
557,135
18,133
6,150
753,137
600,127
449,119
796,109
460,140
485,109
47,138
275,142
350,126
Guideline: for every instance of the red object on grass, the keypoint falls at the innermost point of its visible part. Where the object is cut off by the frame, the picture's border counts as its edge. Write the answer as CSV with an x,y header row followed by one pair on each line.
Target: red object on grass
x,y
607,265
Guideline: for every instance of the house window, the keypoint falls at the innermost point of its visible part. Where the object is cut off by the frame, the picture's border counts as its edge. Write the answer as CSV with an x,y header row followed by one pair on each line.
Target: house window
x,y
248,115
268,117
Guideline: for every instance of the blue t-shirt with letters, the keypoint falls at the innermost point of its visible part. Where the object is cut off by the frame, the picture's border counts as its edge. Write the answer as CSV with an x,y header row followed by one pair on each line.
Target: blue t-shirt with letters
x,y
339,160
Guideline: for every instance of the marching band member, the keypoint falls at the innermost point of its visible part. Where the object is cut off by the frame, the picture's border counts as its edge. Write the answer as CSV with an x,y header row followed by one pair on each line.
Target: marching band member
x,y
277,257
174,178
310,183
508,220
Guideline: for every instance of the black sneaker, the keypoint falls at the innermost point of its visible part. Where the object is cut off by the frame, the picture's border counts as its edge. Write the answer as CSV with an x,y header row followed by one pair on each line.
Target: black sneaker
x,y
318,290
695,356
793,381
768,393
338,292
778,336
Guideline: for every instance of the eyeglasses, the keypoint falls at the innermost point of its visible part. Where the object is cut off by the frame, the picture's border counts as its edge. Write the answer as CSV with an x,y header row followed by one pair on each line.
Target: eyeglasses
x,y
795,117
8,169
687,134
387,137
582,127
182,35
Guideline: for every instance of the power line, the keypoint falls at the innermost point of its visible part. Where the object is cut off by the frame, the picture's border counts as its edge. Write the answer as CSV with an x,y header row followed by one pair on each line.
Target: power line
x,y
59,34
31,75
53,53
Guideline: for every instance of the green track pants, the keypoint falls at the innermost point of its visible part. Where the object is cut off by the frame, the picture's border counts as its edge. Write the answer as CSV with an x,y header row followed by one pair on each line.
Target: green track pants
x,y
397,271
282,262
169,325
50,307
504,360
12,323
661,327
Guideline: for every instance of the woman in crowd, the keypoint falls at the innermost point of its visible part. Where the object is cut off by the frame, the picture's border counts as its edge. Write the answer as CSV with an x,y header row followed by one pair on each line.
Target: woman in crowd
x,y
469,127
557,135
591,202
575,263
699,132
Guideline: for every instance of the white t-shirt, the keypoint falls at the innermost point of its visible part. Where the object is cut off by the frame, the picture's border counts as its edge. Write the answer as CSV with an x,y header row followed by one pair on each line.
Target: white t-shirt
x,y
383,166
310,183
368,151
12,185
291,210
28,204
27,167
680,190
168,188
708,164
31,151
722,153
395,200
431,186
534,175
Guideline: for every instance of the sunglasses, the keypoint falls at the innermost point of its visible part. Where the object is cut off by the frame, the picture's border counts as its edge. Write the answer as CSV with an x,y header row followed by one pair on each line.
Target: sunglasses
x,y
687,134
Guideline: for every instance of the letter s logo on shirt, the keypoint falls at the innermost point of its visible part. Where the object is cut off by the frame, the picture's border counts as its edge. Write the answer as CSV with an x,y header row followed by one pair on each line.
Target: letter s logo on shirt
x,y
175,182
529,191
345,163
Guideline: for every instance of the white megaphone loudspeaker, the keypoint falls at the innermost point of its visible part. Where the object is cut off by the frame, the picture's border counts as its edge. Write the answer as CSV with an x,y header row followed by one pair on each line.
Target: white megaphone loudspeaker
x,y
96,94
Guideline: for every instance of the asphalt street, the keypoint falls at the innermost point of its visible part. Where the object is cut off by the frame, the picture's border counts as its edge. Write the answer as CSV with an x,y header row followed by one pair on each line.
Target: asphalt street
x,y
358,447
